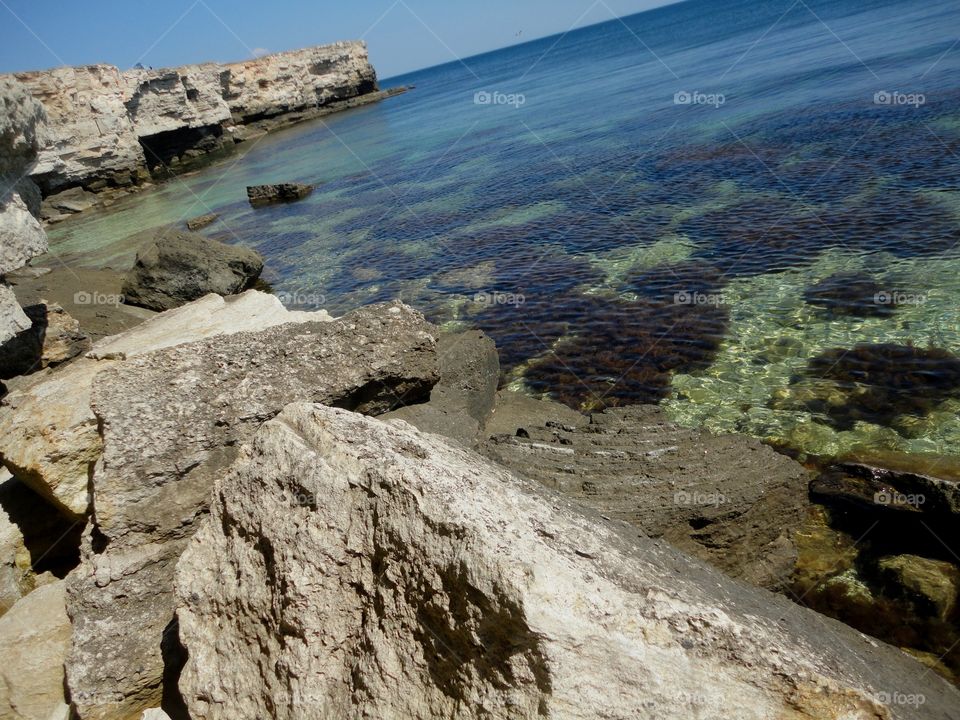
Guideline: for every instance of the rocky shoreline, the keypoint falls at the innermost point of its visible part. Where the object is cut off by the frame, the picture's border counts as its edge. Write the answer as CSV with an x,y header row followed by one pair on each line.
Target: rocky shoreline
x,y
230,509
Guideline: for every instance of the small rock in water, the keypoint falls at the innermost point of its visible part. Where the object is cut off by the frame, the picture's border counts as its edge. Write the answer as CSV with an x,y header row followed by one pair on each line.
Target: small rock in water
x,y
201,221
281,192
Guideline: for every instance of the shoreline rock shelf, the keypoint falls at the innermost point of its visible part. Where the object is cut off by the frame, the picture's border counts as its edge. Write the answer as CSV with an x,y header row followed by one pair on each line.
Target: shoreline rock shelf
x,y
110,128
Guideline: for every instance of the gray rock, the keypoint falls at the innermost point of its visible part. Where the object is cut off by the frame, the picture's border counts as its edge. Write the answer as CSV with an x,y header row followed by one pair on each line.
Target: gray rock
x,y
12,318
171,422
71,201
178,267
281,192
727,499
462,401
34,636
351,568
514,411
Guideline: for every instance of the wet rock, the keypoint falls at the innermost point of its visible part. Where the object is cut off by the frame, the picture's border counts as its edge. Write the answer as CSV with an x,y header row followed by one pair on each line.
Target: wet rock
x,y
179,267
281,192
515,411
34,637
48,432
932,583
201,221
423,582
850,294
462,401
172,421
726,498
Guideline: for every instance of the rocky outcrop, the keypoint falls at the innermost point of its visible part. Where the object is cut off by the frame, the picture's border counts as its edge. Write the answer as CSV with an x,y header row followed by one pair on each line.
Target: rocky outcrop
x,y
171,422
177,267
21,237
727,499
201,221
354,568
108,127
52,338
48,431
462,401
34,637
259,195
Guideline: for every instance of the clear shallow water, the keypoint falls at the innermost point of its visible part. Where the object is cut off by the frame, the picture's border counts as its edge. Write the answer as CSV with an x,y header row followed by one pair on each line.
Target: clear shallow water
x,y
723,259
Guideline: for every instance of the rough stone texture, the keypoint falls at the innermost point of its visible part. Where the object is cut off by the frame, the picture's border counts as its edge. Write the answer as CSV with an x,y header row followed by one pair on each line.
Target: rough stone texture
x,y
12,318
52,338
728,499
178,267
513,411
108,126
281,192
462,402
353,569
21,237
201,221
34,637
48,432
172,421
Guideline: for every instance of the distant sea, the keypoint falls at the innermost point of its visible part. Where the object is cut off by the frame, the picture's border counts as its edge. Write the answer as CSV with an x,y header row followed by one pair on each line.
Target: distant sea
x,y
746,211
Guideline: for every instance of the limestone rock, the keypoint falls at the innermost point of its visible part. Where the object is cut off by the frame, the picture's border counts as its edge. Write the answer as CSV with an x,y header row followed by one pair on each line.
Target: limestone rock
x,y
728,499
351,568
281,192
48,432
171,422
52,338
34,637
21,236
178,267
514,411
462,401
106,127
12,318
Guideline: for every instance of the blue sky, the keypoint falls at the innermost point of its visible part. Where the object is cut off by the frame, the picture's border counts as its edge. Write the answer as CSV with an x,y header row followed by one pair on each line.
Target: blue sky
x,y
403,35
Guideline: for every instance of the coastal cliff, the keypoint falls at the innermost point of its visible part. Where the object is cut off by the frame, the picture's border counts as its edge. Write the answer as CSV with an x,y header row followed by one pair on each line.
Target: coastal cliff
x,y
109,128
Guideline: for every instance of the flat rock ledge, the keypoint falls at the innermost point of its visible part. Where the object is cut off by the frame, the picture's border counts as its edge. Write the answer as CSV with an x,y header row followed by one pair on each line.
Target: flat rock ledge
x,y
353,568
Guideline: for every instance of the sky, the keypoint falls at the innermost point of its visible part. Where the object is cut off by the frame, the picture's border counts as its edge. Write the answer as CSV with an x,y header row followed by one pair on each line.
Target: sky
x,y
402,35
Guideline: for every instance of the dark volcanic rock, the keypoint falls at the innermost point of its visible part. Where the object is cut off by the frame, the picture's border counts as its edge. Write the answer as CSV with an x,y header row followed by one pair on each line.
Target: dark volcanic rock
x,y
728,499
281,192
178,267
171,422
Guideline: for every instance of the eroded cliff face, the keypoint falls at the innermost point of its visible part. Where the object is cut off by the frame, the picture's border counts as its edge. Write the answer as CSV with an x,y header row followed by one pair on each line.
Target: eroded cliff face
x,y
109,128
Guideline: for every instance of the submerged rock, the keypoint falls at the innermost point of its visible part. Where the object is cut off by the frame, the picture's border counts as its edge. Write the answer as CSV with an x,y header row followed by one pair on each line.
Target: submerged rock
x,y
282,192
171,422
933,583
728,499
422,582
178,267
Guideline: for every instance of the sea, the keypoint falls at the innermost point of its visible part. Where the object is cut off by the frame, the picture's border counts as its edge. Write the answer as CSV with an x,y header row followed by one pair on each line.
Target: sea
x,y
746,211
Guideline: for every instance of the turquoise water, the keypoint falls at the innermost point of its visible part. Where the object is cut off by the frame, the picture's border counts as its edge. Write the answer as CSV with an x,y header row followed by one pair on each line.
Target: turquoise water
x,y
746,211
